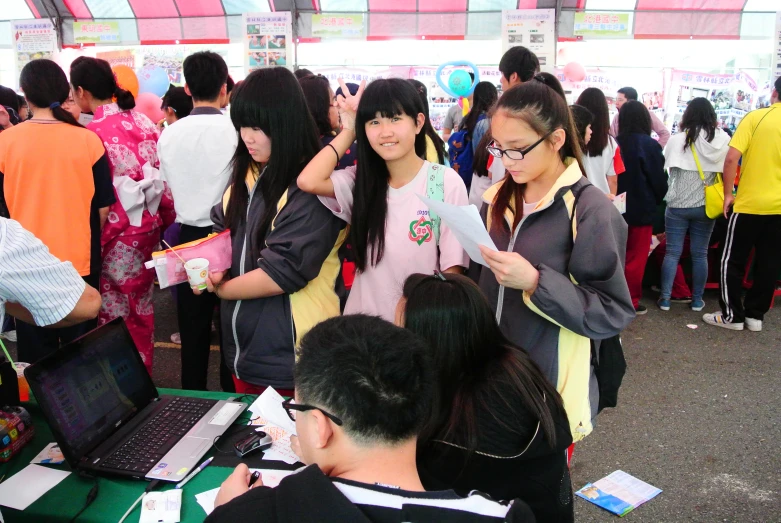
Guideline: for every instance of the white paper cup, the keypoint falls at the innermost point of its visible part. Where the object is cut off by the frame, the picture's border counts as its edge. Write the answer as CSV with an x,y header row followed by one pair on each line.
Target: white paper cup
x,y
197,272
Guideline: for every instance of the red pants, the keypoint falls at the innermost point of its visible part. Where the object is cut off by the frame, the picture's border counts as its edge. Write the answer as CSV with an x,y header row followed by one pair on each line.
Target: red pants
x,y
242,387
680,287
638,245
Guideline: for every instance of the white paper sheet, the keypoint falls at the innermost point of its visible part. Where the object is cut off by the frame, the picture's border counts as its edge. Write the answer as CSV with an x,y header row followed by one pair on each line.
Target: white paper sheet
x,y
269,406
620,203
280,450
466,225
269,477
23,488
162,507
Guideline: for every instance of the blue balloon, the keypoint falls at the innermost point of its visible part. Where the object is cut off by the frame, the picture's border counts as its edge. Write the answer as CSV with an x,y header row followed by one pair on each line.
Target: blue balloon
x,y
459,84
152,79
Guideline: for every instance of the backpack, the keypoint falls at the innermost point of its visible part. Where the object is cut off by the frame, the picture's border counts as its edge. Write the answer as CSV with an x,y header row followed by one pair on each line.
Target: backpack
x,y
435,190
461,155
607,359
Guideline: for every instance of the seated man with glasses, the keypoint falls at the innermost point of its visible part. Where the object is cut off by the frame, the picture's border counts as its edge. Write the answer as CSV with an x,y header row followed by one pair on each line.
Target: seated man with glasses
x,y
363,391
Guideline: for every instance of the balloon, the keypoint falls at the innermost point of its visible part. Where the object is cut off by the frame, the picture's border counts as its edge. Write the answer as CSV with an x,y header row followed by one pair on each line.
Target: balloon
x,y
126,78
153,79
574,72
149,104
459,83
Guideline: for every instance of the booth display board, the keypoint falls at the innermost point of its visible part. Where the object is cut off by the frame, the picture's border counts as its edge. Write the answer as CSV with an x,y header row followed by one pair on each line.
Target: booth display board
x,y
33,39
96,32
337,26
610,25
114,58
776,59
732,95
534,29
268,40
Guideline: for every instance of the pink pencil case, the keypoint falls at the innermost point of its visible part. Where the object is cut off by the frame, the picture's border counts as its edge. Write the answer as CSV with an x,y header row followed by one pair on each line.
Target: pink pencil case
x,y
170,269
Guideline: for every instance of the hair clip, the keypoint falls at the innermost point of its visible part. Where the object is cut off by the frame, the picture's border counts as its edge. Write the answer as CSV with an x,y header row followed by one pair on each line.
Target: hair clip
x,y
439,275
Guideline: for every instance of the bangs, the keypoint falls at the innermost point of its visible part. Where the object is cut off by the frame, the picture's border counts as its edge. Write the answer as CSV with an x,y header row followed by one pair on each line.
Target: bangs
x,y
389,98
248,111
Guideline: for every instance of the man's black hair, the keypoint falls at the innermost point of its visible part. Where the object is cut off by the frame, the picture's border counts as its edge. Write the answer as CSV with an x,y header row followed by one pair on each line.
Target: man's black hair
x,y
629,92
521,61
777,85
205,73
374,376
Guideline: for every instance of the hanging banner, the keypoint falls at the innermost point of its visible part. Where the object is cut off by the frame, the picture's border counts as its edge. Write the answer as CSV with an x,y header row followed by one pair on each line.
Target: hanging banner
x,y
96,32
114,58
337,26
534,29
615,25
33,39
268,40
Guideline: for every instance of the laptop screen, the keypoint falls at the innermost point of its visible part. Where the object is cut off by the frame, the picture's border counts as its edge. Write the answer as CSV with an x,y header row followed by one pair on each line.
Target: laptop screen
x,y
90,387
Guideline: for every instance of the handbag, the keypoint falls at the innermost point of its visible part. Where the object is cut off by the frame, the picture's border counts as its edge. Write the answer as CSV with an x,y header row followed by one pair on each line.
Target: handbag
x,y
714,194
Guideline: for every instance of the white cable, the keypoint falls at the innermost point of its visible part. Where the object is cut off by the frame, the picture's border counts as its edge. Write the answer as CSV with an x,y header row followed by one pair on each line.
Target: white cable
x,y
133,506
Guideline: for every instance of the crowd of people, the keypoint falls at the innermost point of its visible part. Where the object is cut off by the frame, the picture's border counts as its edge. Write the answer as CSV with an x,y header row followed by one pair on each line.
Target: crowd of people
x,y
429,377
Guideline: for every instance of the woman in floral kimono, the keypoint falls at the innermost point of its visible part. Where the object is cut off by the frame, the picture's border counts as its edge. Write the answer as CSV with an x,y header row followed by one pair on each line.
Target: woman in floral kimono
x,y
144,205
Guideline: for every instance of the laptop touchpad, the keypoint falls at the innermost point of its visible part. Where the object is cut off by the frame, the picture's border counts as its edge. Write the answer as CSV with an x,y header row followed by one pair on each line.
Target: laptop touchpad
x,y
190,447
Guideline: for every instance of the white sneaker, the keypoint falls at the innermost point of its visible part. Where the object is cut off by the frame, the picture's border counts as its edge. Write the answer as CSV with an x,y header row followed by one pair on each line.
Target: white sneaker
x,y
718,320
11,335
753,324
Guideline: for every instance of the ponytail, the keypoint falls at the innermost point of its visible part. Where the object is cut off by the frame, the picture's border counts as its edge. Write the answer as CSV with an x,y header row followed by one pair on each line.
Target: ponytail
x,y
44,85
125,99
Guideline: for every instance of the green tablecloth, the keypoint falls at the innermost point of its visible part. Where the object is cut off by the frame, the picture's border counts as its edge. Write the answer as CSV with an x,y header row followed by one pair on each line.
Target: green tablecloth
x,y
115,496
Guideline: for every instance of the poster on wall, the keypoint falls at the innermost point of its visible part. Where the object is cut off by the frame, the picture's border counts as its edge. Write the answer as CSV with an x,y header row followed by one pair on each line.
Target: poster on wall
x,y
776,61
337,26
115,58
534,29
268,40
96,32
33,39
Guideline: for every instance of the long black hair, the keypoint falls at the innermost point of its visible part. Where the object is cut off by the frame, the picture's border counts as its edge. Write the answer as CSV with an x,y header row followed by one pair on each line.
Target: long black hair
x,y
387,98
317,93
633,118
45,85
544,110
699,116
270,100
582,118
594,100
472,359
428,128
485,96
95,75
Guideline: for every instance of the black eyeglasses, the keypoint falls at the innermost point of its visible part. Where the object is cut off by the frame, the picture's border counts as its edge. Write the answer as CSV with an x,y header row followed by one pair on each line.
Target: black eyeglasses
x,y
291,407
514,154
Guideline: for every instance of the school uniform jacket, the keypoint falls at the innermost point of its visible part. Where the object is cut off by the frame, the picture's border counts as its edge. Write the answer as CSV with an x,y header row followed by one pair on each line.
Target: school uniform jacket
x,y
581,294
300,255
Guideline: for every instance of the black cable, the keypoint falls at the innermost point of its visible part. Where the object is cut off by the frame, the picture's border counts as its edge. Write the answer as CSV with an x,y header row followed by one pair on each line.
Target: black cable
x,y
91,495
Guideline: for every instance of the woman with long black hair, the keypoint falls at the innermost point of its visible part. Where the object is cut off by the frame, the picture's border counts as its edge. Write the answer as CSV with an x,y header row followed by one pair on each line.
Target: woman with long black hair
x,y
476,123
57,191
497,426
601,150
285,242
322,105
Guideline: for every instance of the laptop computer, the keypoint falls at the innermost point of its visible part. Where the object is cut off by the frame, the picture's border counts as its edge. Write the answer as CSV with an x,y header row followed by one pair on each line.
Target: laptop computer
x,y
107,417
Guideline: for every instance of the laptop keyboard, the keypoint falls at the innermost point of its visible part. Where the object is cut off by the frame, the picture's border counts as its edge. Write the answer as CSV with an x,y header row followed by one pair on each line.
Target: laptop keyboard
x,y
158,435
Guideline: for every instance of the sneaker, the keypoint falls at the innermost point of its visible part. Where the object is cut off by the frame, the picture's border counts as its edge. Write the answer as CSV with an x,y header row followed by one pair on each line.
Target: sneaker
x,y
663,304
697,305
11,335
753,325
681,300
176,338
640,310
718,320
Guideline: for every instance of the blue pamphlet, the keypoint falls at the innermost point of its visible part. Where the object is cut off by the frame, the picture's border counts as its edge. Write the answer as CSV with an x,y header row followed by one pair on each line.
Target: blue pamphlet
x,y
619,493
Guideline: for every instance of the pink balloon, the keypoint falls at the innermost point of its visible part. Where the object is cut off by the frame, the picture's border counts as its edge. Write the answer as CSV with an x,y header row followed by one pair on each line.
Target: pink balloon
x,y
149,104
574,72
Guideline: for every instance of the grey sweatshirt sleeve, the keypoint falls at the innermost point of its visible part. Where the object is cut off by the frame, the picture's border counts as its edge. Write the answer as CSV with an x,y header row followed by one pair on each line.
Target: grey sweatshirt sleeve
x,y
304,234
599,305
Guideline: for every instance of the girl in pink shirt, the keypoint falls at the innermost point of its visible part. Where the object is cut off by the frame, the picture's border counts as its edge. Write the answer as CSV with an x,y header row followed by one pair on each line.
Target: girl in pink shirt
x,y
391,233
132,229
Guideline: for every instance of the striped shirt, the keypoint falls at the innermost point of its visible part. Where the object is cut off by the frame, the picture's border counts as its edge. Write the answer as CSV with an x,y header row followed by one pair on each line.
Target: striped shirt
x,y
31,276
